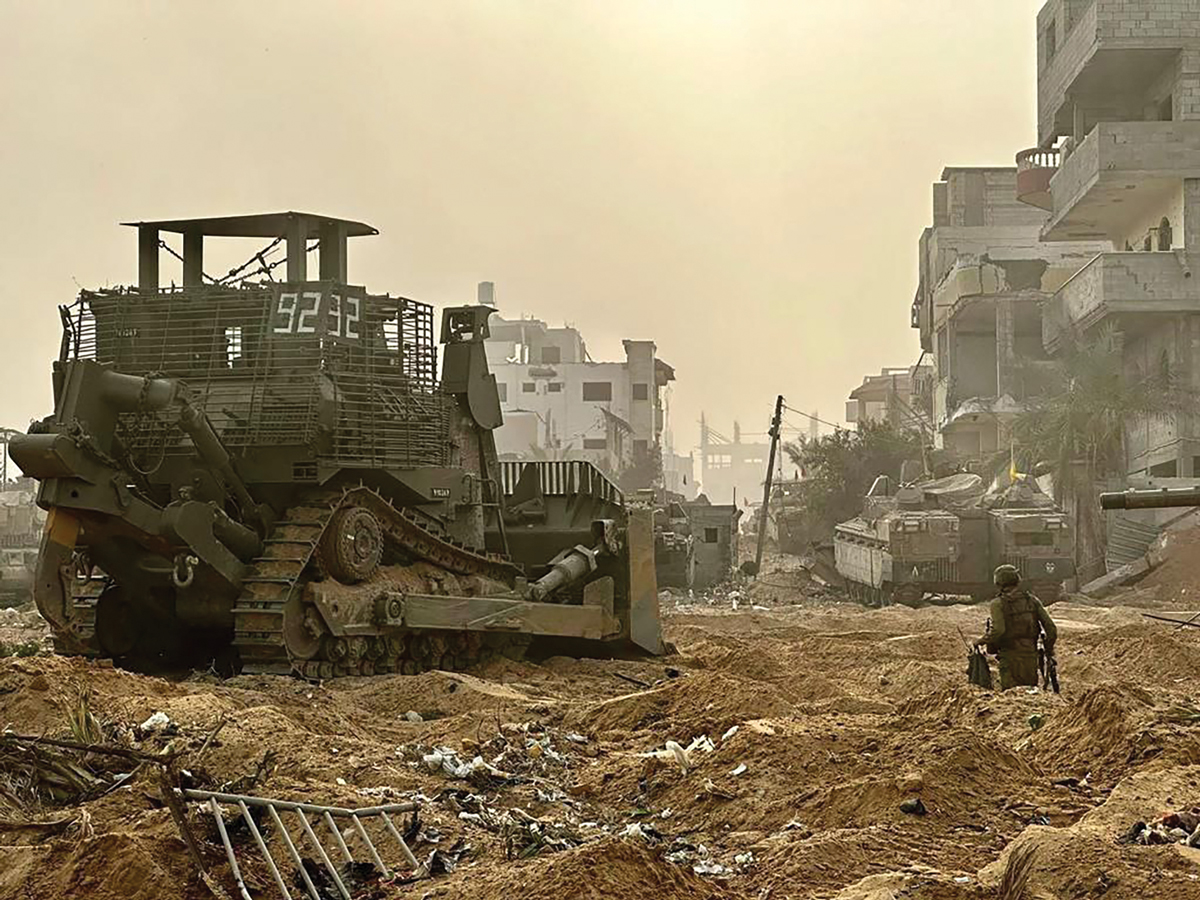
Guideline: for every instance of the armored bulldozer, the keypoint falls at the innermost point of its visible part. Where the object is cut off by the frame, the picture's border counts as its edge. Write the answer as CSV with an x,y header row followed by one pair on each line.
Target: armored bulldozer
x,y
946,536
21,523
272,475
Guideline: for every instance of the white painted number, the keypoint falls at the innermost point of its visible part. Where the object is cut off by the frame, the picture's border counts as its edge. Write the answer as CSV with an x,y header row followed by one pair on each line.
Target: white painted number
x,y
350,328
300,313
335,316
287,307
306,322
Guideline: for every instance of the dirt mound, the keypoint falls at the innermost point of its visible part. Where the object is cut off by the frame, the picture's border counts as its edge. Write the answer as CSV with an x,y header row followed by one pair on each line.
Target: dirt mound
x,y
705,703
110,865
434,695
607,869
1109,731
1086,860
841,715
1155,654
1178,577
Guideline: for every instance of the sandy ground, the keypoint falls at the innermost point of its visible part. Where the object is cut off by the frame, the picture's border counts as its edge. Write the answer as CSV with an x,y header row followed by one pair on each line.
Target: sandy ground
x,y
823,719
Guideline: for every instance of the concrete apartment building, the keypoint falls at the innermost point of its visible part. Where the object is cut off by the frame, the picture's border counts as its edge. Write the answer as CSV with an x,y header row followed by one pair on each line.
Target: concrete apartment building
x,y
731,471
1118,162
984,275
898,395
558,403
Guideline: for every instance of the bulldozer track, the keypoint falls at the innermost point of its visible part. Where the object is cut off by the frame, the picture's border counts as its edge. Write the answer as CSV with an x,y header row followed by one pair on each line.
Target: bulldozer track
x,y
273,579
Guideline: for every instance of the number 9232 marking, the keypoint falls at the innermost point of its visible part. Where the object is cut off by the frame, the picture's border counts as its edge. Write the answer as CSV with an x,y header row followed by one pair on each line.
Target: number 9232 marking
x,y
301,312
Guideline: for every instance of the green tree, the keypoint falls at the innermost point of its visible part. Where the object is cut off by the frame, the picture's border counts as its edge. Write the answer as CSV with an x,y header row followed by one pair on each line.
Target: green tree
x,y
1079,422
1076,429
838,470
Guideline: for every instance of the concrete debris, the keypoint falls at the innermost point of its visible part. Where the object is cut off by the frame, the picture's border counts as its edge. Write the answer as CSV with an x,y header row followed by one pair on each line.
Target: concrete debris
x,y
1108,583
159,721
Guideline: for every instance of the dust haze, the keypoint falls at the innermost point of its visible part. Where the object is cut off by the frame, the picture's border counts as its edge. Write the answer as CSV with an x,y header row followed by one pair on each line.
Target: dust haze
x,y
743,183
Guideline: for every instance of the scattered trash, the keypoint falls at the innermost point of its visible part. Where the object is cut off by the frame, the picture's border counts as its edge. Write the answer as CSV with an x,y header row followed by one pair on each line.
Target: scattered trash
x,y
413,716
740,770
159,721
577,739
446,760
680,754
1181,827
1036,721
710,868
913,807
730,733
444,862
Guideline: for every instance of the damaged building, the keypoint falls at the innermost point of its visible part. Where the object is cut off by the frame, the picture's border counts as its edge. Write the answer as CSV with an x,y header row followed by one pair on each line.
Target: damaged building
x,y
560,404
1118,163
731,470
898,395
984,275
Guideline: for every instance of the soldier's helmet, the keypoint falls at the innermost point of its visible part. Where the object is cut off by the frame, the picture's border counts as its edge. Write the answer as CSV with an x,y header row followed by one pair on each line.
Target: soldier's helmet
x,y
1006,576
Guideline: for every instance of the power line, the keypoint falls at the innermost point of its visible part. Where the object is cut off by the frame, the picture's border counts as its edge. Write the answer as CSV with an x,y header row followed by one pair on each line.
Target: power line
x,y
814,418
897,442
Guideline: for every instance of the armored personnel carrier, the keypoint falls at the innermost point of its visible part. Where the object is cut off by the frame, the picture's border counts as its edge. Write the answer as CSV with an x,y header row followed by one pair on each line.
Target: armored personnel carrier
x,y
272,474
21,523
946,537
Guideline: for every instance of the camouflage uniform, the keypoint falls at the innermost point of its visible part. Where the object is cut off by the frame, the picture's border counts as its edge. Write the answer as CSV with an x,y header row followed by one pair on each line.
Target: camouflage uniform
x,y
1017,619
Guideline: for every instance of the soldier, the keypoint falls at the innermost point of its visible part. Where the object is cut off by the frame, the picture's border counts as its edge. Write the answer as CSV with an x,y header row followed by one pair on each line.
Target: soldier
x,y
1018,617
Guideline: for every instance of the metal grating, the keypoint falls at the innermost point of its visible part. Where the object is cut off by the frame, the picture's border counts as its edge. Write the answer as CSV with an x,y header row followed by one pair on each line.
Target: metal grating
x,y
348,375
563,478
324,818
1128,539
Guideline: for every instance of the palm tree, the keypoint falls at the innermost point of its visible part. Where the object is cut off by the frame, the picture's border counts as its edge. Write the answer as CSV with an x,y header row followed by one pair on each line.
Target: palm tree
x,y
1076,429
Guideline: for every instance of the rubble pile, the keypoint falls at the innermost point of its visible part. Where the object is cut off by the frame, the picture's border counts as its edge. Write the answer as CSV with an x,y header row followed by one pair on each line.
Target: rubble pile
x,y
810,750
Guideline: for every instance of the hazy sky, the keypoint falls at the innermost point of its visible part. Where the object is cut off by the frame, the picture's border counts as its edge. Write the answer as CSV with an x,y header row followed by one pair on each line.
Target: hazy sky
x,y
743,182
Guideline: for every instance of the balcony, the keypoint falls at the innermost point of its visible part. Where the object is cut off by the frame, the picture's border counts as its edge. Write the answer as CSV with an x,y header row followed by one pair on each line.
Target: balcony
x,y
1035,168
1120,173
1124,284
1092,55
1059,67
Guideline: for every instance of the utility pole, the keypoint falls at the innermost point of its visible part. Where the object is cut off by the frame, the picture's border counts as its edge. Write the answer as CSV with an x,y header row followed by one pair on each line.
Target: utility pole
x,y
776,425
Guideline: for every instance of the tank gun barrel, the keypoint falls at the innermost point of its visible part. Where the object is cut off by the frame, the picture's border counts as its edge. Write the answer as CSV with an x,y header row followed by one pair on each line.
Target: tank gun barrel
x,y
1152,498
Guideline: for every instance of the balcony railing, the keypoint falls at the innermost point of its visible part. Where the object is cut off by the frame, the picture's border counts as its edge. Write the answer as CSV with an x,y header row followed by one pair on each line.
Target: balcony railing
x,y
1035,168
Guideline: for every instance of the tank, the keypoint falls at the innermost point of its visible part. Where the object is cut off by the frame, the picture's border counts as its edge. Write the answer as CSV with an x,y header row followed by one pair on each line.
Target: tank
x,y
274,476
21,523
899,547
946,536
1027,530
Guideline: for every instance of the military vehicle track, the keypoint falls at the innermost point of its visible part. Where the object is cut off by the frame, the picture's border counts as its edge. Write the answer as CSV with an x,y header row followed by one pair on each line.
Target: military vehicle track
x,y
271,598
